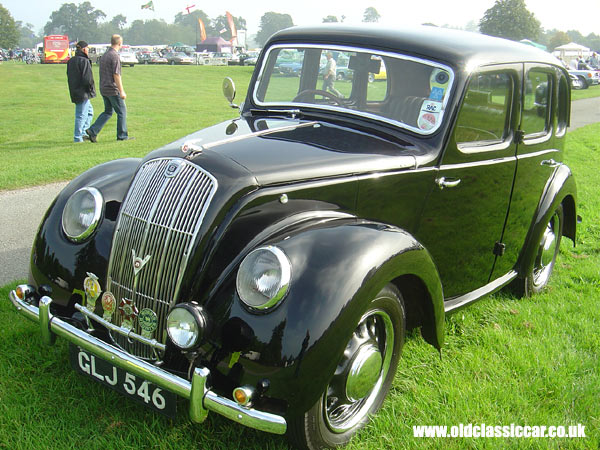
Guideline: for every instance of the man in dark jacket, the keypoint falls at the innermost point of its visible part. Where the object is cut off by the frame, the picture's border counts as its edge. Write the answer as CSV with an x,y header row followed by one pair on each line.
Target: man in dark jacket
x,y
82,89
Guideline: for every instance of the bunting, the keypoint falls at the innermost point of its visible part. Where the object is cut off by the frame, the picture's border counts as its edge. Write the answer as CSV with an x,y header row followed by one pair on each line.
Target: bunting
x,y
202,30
232,28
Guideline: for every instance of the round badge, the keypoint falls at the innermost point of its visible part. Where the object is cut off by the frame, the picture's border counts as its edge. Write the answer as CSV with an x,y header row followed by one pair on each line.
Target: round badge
x,y
128,310
91,286
148,320
108,302
427,121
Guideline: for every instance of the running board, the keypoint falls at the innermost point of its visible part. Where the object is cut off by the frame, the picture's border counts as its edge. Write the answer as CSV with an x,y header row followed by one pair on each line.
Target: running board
x,y
455,303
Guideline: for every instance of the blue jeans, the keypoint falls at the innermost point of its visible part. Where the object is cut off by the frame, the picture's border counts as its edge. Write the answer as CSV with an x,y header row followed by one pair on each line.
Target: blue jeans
x,y
84,113
116,104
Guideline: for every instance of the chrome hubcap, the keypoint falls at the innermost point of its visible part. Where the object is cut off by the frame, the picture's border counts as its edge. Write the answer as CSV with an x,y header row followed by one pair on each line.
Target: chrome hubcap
x,y
546,252
364,372
360,373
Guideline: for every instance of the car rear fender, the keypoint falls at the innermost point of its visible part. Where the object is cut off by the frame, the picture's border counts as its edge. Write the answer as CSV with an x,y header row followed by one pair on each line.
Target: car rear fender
x,y
561,188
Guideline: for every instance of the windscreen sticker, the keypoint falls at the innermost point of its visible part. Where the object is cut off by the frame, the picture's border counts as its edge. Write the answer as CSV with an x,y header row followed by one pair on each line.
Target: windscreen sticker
x,y
429,114
437,93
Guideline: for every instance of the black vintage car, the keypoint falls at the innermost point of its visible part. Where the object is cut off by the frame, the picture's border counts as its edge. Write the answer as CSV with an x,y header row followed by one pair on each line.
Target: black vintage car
x,y
267,268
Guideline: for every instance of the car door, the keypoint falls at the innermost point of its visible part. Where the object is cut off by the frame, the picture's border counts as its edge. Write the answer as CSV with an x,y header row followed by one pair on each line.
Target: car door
x,y
464,217
544,121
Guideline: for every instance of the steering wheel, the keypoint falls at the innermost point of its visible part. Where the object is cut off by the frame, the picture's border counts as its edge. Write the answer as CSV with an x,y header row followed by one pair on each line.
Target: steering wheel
x,y
314,92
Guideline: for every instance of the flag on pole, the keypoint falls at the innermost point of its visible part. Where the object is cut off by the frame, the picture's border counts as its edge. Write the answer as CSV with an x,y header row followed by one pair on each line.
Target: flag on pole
x,y
202,29
232,28
148,5
188,9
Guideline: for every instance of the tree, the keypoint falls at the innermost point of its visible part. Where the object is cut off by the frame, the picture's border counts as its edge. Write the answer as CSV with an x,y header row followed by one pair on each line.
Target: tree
x,y
9,32
330,19
27,37
76,21
557,39
118,22
510,19
221,23
271,23
188,28
371,15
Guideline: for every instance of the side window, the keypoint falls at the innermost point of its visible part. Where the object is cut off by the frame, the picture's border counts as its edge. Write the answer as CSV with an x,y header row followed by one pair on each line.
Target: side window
x,y
285,80
484,115
537,101
563,105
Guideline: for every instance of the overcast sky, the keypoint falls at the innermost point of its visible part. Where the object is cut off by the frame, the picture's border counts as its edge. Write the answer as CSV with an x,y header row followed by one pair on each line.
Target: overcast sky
x,y
560,14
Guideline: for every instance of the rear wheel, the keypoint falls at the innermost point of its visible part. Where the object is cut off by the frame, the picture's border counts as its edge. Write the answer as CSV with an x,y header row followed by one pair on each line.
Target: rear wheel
x,y
545,256
361,380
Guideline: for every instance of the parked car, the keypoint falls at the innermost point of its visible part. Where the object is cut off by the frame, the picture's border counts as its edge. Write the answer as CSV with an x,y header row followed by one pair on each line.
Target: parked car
x,y
151,58
588,77
267,268
178,58
291,69
248,58
127,58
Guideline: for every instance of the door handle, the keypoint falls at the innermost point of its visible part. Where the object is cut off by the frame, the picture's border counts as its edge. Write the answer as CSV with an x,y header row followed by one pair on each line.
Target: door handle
x,y
444,182
549,163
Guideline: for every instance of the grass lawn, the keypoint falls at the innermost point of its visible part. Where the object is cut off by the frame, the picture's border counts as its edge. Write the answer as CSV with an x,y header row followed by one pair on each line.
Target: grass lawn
x,y
164,103
532,361
592,91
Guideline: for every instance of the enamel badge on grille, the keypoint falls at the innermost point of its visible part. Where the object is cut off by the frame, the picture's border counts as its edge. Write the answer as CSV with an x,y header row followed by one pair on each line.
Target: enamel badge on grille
x,y
148,322
109,304
129,312
139,263
92,290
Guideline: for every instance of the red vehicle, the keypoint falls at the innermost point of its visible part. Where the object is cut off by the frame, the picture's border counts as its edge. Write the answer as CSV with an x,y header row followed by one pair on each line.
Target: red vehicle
x,y
56,49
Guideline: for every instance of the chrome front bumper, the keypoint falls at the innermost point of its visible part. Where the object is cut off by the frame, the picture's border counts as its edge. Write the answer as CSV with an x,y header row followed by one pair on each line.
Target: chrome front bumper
x,y
202,400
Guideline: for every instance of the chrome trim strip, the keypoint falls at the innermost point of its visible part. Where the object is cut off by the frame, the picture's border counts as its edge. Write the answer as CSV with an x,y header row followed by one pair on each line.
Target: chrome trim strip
x,y
355,49
456,303
201,399
127,332
255,134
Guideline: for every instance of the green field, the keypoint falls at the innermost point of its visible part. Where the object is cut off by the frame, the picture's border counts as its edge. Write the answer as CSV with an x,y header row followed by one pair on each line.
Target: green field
x,y
164,103
532,361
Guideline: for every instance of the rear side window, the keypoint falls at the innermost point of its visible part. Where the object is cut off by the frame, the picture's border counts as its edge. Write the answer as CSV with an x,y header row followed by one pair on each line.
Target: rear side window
x,y
483,118
536,108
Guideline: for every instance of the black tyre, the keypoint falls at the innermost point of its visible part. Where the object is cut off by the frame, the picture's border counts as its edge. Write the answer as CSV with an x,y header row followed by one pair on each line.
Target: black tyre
x,y
584,84
545,256
361,380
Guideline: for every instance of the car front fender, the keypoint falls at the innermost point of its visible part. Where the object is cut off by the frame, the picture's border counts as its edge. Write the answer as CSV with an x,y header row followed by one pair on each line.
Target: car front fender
x,y
337,269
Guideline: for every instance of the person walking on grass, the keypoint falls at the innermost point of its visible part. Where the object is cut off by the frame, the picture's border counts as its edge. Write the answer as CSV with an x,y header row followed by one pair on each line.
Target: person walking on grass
x,y
113,94
81,89
330,76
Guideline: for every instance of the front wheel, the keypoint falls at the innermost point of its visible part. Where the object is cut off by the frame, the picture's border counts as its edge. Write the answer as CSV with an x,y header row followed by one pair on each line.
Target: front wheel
x,y
361,380
584,84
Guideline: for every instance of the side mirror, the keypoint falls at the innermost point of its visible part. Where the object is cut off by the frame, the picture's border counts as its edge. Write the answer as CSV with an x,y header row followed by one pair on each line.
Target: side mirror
x,y
229,91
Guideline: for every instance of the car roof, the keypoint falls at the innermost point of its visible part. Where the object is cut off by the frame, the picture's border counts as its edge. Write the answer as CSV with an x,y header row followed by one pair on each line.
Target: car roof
x,y
459,48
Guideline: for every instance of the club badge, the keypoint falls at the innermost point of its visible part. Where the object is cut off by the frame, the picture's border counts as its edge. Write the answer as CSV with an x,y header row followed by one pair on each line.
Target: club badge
x,y
92,289
148,322
109,304
129,312
139,263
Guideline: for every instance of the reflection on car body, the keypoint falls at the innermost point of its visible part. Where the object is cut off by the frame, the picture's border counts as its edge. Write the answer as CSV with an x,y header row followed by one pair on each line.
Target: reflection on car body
x,y
267,268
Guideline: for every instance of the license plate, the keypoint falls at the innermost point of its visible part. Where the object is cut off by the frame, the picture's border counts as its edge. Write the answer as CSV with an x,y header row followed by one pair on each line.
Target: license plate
x,y
132,386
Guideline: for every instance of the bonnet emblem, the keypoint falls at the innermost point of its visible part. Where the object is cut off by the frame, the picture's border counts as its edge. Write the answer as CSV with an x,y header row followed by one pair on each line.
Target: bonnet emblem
x,y
139,263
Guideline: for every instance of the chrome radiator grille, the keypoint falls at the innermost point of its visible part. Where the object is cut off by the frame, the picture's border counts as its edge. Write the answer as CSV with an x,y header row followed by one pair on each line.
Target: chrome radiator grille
x,y
159,221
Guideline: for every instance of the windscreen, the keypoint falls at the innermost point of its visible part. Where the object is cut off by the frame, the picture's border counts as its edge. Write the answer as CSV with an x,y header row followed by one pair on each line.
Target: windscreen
x,y
398,89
